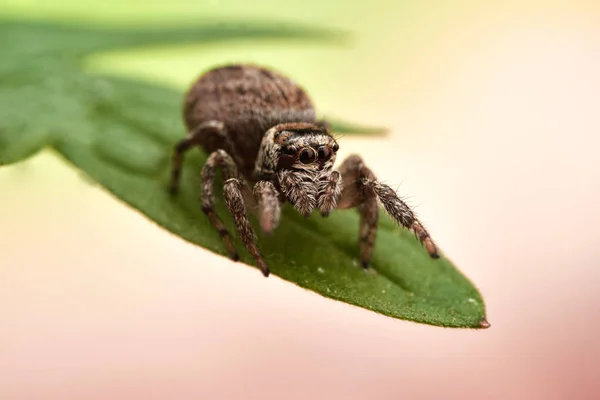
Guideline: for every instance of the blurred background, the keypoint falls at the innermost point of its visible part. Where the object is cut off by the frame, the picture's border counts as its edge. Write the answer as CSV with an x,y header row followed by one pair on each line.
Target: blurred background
x,y
494,110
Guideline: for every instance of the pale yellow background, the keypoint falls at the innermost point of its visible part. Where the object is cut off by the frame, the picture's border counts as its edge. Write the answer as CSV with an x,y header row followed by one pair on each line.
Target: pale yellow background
x,y
495,116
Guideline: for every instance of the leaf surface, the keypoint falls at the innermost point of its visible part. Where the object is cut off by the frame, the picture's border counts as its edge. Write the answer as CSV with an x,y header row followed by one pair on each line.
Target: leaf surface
x,y
120,132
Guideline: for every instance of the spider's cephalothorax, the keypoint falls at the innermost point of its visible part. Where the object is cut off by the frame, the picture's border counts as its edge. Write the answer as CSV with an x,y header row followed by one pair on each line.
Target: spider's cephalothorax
x,y
260,129
298,158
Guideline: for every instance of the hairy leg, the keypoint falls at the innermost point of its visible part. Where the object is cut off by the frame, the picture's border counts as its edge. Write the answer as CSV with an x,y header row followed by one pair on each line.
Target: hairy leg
x,y
269,207
402,214
234,199
362,190
353,172
209,134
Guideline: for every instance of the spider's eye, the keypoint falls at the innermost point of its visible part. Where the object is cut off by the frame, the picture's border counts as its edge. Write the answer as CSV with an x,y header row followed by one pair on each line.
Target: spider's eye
x,y
289,151
336,147
324,153
307,156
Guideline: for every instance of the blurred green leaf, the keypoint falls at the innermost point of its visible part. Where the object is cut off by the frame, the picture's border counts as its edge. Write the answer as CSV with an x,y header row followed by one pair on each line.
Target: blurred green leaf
x,y
120,132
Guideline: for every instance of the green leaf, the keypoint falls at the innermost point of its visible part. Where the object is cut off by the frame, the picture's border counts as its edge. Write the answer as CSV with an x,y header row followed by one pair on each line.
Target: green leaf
x,y
121,133
355,129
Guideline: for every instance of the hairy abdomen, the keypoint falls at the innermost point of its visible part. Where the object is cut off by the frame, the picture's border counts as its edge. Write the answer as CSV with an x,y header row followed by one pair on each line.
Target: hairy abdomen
x,y
248,100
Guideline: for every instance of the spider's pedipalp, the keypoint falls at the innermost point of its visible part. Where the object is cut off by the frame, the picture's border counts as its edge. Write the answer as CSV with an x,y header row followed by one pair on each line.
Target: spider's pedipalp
x,y
269,207
300,190
330,189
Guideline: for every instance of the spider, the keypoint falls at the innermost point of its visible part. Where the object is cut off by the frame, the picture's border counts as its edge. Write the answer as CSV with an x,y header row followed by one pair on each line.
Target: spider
x,y
261,130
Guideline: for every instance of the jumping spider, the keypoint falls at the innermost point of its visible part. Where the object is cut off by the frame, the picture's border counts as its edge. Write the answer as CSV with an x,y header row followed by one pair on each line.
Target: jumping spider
x,y
260,128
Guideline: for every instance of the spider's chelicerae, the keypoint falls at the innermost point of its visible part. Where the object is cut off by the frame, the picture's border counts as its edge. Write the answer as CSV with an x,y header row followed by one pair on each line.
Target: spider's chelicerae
x,y
260,129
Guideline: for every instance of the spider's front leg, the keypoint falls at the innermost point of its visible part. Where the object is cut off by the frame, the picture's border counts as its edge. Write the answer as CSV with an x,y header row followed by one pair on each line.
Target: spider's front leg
x,y
362,189
234,199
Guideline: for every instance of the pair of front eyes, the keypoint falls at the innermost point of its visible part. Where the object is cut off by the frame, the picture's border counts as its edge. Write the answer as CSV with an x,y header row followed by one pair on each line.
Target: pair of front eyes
x,y
308,155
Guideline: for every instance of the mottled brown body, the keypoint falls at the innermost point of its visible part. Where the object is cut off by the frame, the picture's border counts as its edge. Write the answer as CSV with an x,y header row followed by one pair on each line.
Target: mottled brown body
x,y
261,131
248,100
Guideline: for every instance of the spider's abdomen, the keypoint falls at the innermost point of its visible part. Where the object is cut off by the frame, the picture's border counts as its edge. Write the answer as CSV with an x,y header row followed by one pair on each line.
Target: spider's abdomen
x,y
248,100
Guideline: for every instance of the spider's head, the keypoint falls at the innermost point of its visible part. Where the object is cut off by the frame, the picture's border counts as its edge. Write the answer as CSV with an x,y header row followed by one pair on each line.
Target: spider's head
x,y
299,157
297,146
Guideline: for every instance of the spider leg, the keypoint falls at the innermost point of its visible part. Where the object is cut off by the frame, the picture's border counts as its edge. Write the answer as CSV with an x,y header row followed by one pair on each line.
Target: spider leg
x,y
233,191
353,171
361,189
211,135
269,206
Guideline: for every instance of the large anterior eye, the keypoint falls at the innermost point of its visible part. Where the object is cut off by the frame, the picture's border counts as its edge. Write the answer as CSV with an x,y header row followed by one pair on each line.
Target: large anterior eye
x,y
324,153
307,156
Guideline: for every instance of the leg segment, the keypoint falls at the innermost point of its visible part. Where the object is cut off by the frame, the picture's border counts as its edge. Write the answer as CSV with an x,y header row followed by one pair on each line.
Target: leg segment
x,y
353,172
269,207
235,204
361,189
402,214
234,199
369,215
211,135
